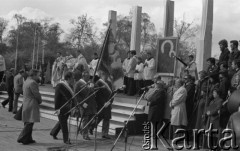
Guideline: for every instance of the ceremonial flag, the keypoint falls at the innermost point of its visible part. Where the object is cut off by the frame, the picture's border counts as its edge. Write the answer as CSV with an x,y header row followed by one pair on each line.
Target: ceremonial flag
x,y
104,63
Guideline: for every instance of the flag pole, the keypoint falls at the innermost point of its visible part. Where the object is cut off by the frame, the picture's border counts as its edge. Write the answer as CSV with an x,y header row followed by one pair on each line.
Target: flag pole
x,y
101,53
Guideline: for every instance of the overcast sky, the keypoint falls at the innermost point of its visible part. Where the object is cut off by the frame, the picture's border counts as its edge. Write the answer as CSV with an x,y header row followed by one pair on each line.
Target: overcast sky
x,y
226,22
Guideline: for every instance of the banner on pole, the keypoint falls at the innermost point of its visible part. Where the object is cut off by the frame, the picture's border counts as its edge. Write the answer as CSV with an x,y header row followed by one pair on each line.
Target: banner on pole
x,y
166,52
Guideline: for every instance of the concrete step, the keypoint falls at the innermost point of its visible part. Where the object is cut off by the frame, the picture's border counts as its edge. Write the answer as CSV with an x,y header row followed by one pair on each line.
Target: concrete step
x,y
120,110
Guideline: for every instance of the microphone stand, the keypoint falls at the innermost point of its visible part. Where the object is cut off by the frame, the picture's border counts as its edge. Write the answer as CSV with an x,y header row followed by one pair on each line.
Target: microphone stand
x,y
125,125
82,101
96,119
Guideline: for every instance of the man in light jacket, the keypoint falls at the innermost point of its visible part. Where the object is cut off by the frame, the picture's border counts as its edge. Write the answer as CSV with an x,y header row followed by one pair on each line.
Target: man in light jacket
x,y
18,89
178,113
31,107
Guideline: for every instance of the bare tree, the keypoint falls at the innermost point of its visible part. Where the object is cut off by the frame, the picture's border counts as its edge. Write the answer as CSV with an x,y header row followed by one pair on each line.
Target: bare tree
x,y
186,32
20,19
3,26
82,32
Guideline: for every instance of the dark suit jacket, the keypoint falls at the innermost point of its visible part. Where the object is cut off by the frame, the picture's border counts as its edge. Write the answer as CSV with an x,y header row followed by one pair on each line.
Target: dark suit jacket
x,y
62,95
156,106
102,96
190,87
214,107
9,82
87,91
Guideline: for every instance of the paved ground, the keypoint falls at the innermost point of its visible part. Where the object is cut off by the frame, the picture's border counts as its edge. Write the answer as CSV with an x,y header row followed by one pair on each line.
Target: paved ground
x,y
10,129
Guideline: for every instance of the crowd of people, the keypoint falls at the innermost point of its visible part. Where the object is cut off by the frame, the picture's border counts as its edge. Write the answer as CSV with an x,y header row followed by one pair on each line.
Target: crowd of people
x,y
191,101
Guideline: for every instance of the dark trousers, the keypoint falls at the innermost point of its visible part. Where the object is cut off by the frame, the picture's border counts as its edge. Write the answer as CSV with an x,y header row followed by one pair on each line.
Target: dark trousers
x,y
105,125
9,100
26,134
61,124
132,86
148,83
85,120
15,102
1,76
139,85
125,82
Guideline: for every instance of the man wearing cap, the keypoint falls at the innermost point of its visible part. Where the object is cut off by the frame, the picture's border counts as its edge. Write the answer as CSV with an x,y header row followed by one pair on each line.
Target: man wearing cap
x,y
192,67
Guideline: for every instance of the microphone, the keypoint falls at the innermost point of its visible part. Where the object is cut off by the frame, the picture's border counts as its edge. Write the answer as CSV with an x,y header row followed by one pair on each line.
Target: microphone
x,y
119,89
147,87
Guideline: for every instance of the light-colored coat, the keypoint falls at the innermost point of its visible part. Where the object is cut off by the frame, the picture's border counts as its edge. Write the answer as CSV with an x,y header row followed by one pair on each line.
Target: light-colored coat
x,y
178,113
31,100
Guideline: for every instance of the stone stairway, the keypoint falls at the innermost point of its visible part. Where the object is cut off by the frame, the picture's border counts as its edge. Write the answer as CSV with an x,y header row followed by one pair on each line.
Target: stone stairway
x,y
121,109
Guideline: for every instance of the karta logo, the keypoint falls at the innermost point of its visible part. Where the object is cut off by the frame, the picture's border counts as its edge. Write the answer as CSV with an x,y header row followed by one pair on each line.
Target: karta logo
x,y
152,137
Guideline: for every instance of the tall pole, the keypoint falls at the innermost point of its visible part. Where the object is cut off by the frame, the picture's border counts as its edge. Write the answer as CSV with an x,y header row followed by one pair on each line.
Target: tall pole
x,y
38,51
34,39
16,56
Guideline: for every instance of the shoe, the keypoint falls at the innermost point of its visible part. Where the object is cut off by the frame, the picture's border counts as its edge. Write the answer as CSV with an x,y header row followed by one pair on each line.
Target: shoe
x,y
26,143
68,142
86,138
32,142
14,112
54,137
106,137
3,105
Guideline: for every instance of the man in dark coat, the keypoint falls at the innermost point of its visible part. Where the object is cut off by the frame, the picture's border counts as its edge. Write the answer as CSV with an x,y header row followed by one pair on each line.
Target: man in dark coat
x,y
224,56
212,68
212,116
63,93
190,87
224,84
89,107
234,55
10,90
102,96
31,107
202,86
233,124
156,97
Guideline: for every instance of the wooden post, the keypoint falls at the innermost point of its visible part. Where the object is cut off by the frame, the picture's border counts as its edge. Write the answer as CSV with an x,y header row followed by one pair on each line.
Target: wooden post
x,y
205,41
136,29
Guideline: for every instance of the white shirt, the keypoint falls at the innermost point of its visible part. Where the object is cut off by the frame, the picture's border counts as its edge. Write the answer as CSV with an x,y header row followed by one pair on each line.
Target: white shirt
x,y
124,65
93,66
139,75
131,67
149,70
